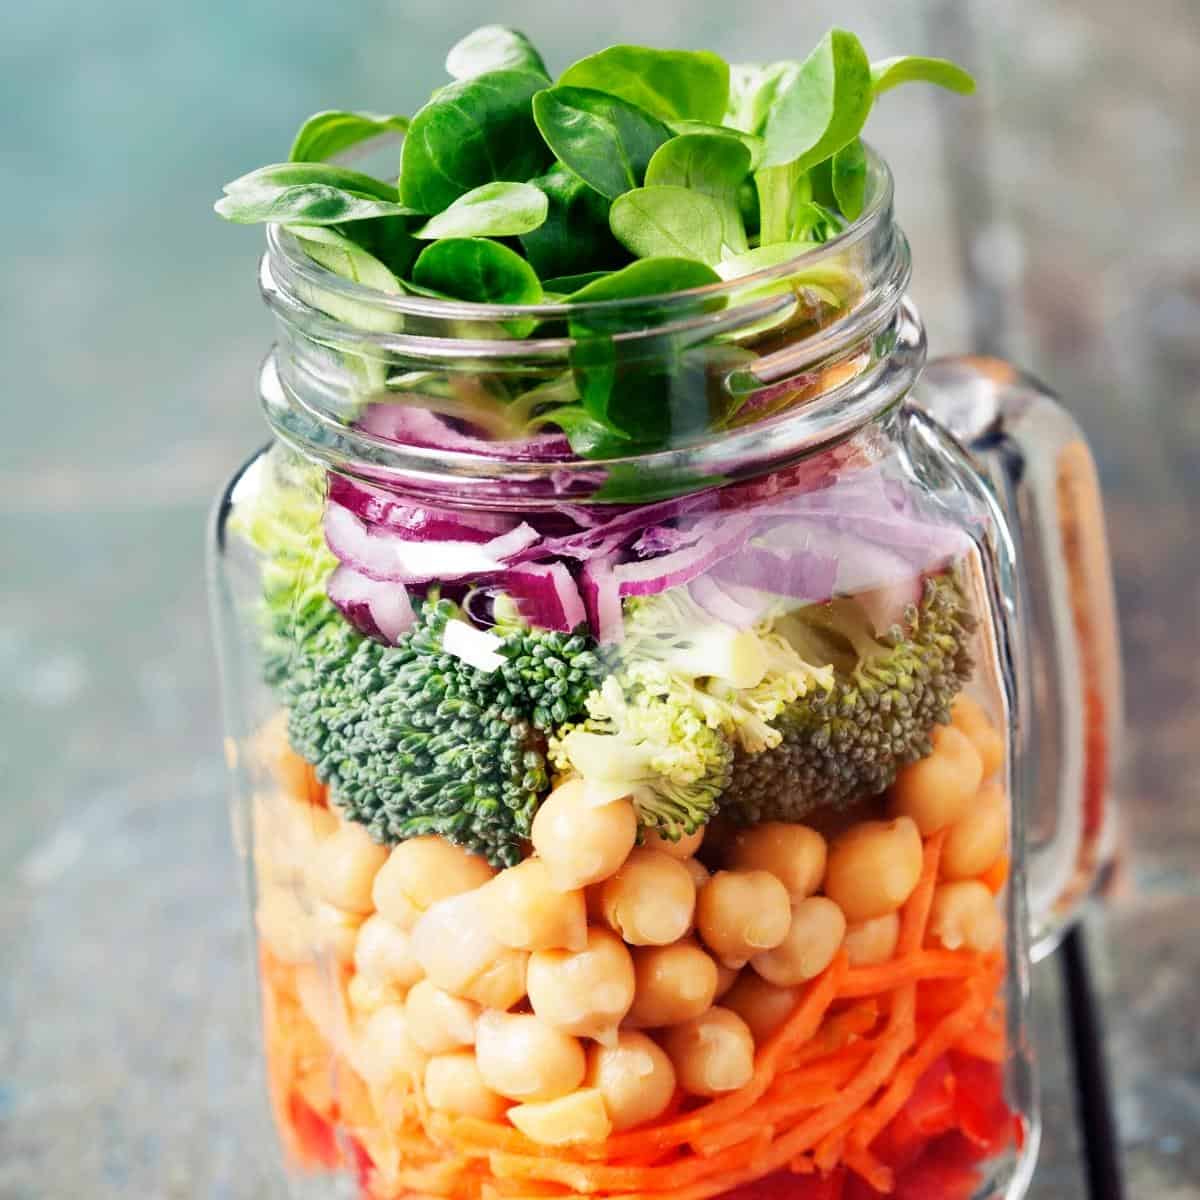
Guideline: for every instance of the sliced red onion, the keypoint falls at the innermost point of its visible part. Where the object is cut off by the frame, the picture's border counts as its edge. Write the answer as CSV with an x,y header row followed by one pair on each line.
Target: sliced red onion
x,y
377,609
420,522
382,554
654,575
717,602
603,600
800,574
414,425
603,537
547,595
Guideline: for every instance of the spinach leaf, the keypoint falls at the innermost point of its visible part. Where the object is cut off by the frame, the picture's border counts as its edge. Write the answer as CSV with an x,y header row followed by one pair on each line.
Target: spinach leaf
x,y
307,194
493,48
646,278
471,132
782,192
325,134
629,391
565,285
907,68
849,178
753,89
668,222
674,85
823,106
478,270
386,238
339,254
605,140
754,145
711,163
575,236
490,210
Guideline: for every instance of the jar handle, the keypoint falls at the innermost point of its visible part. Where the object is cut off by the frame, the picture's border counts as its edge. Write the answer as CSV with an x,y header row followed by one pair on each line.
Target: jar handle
x,y
1033,456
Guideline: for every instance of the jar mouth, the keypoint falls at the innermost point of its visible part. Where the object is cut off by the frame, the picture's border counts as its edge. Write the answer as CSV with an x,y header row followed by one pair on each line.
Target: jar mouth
x,y
289,264
852,362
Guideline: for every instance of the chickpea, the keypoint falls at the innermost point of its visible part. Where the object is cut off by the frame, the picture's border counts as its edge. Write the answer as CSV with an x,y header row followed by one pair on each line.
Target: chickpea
x,y
422,871
650,900
383,952
726,978
964,915
585,993
453,944
335,931
873,941
977,840
711,1053
580,842
968,715
284,924
817,929
936,790
762,1005
453,1085
794,854
366,995
523,1058
874,867
683,847
635,1077
437,1021
344,868
673,984
501,984
698,871
741,913
568,1121
385,1050
525,910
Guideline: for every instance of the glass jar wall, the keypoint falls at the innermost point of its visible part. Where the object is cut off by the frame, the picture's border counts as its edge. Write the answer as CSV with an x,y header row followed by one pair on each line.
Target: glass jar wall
x,y
625,827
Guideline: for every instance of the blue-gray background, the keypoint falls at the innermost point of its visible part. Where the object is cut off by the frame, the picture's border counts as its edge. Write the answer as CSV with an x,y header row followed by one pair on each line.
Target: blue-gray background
x,y
1064,197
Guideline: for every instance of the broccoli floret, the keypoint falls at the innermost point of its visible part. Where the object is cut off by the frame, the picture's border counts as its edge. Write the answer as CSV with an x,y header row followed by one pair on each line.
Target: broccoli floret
x,y
282,521
738,680
658,751
889,691
412,740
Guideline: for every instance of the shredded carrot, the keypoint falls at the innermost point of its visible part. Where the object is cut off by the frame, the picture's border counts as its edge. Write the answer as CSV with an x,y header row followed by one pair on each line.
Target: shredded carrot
x,y
599,1177
863,1163
943,1037
920,965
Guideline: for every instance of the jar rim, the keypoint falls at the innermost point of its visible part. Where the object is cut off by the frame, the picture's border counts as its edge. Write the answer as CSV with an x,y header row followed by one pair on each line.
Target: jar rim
x,y
289,263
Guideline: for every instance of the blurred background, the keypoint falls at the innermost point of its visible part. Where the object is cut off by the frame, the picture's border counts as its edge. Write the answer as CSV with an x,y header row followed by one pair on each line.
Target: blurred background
x,y
1053,219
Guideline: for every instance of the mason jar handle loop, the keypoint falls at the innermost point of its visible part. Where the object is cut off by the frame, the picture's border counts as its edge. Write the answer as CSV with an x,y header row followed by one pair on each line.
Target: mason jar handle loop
x,y
1032,455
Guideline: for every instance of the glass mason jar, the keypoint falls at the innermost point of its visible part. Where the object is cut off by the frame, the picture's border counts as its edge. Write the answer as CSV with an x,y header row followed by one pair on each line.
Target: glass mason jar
x,y
666,821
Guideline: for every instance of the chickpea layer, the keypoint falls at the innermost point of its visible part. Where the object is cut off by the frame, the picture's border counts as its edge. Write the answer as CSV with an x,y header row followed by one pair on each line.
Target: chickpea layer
x,y
968,715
